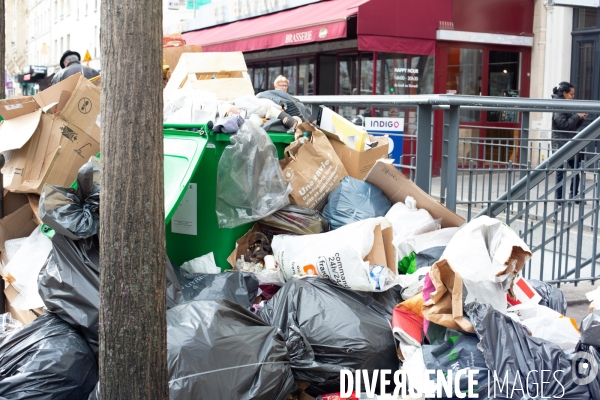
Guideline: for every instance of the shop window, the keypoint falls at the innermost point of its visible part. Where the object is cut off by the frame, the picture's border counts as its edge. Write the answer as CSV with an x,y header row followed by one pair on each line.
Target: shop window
x,y
274,72
260,78
585,71
306,76
464,77
289,71
404,74
587,18
503,80
348,78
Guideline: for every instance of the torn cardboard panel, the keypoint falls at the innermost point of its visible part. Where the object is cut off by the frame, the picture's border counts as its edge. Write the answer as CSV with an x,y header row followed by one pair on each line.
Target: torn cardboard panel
x,y
16,132
23,316
359,163
34,202
396,186
225,74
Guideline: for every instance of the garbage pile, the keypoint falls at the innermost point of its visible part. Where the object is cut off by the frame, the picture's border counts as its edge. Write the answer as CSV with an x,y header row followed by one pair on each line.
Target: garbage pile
x,y
340,264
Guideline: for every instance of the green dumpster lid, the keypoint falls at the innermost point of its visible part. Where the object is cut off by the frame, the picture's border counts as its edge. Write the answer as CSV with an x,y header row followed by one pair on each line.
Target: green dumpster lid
x,y
183,151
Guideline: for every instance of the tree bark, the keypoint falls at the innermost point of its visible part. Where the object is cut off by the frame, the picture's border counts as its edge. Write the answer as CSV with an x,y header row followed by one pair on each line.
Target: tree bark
x,y
2,49
133,359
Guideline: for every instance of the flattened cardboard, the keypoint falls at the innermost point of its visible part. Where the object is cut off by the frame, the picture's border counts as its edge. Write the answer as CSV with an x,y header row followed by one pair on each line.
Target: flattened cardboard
x,y
14,201
197,70
16,132
171,55
14,108
34,202
396,186
383,252
359,163
23,316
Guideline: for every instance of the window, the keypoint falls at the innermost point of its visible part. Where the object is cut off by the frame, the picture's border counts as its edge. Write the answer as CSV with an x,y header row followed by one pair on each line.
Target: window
x,y
68,42
62,49
347,82
56,49
587,18
503,81
306,76
585,72
404,74
289,71
260,78
274,72
464,76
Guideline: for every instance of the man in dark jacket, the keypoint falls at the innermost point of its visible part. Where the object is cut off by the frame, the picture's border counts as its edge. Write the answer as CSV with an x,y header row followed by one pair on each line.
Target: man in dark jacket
x,y
70,62
564,128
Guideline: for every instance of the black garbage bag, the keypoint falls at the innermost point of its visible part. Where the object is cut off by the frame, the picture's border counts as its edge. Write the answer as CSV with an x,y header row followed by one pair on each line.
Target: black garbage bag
x,y
290,104
552,297
458,352
74,212
95,395
587,366
46,360
590,330
220,350
328,328
69,284
352,201
238,287
519,359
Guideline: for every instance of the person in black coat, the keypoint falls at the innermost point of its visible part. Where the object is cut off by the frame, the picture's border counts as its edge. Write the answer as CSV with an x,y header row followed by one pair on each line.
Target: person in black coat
x,y
70,62
564,128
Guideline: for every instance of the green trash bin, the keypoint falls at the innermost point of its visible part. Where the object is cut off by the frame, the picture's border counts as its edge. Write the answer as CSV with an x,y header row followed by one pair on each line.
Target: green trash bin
x,y
191,162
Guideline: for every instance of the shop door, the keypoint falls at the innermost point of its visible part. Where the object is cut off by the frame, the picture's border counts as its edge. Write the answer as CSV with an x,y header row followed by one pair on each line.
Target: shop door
x,y
490,137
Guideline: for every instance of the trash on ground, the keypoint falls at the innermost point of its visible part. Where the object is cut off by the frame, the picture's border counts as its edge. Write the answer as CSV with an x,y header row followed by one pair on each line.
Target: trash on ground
x,y
407,321
352,201
594,299
408,220
422,250
353,136
8,324
202,265
328,328
312,168
237,287
480,264
220,350
545,323
296,220
250,182
46,359
351,256
552,296
74,212
190,106
590,329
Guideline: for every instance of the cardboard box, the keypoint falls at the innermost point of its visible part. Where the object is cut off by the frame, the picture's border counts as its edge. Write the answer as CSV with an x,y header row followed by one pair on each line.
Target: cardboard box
x,y
51,140
197,70
16,225
359,163
396,186
171,55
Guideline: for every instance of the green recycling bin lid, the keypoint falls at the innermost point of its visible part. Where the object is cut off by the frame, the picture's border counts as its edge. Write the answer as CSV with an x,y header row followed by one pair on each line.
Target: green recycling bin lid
x,y
183,151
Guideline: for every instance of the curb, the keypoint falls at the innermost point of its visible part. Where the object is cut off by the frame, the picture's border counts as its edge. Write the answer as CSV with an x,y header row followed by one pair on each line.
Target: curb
x,y
577,302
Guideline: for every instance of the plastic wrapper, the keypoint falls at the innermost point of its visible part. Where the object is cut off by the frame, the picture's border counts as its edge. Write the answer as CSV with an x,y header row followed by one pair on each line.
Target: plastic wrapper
x,y
458,353
69,285
509,351
190,106
353,200
295,219
8,324
290,104
74,212
328,328
46,360
235,286
418,251
22,270
250,182
590,329
255,105
407,222
351,256
552,297
220,350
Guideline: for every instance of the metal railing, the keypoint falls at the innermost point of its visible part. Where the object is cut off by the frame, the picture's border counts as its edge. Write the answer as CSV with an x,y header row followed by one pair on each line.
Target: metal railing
x,y
512,177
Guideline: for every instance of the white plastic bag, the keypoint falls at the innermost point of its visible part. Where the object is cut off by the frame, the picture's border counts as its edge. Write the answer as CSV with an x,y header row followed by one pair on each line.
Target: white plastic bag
x,y
190,106
407,222
202,265
547,324
336,255
25,267
255,105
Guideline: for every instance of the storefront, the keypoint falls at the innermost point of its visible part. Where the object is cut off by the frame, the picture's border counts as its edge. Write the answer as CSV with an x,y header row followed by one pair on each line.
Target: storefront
x,y
345,47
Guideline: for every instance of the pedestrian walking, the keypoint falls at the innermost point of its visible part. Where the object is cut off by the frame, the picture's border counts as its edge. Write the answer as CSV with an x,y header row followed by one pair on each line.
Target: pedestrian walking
x,y
564,127
70,62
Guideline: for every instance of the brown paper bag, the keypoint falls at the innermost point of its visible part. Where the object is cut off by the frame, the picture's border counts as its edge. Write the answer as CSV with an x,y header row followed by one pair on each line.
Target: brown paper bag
x,y
312,167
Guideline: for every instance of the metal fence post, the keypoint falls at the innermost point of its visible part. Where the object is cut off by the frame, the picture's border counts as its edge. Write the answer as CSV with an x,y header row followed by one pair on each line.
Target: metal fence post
x,y
451,172
2,295
443,176
424,132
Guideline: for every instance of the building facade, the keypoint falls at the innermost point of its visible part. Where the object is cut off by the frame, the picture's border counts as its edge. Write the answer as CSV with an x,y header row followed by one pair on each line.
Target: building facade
x,y
44,30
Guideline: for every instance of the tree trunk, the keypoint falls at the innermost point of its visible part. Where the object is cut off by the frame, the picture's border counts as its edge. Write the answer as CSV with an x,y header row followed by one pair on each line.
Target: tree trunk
x,y
2,50
133,357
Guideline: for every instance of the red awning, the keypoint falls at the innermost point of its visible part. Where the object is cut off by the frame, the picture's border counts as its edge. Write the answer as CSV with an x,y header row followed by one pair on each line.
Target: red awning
x,y
312,23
